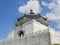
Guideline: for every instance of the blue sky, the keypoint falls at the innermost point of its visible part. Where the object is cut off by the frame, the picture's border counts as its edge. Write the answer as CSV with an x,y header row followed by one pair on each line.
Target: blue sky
x,y
9,13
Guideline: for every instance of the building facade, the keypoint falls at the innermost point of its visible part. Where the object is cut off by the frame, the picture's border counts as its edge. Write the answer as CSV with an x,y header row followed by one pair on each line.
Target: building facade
x,y
31,29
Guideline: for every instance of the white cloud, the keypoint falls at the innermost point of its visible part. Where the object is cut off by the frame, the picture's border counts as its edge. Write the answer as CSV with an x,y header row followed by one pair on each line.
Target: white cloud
x,y
44,3
51,16
32,4
58,26
54,14
50,5
58,1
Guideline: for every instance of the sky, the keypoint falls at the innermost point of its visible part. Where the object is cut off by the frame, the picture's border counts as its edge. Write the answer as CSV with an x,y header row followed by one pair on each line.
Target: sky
x,y
10,10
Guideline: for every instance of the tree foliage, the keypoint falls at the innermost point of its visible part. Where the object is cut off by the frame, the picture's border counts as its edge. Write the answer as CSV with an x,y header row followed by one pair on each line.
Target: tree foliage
x,y
54,44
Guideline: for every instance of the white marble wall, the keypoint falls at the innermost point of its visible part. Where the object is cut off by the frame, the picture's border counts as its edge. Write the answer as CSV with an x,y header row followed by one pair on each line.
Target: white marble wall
x,y
34,39
36,34
33,26
55,36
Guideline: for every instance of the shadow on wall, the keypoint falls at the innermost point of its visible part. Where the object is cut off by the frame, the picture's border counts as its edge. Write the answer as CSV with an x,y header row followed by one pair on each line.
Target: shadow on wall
x,y
21,33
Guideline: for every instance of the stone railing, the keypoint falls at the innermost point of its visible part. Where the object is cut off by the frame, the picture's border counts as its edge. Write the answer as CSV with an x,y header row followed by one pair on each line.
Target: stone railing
x,y
27,35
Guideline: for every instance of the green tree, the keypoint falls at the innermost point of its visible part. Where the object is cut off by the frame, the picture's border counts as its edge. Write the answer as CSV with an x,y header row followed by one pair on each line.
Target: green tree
x,y
56,44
